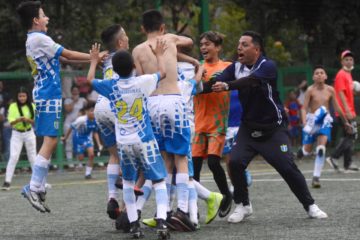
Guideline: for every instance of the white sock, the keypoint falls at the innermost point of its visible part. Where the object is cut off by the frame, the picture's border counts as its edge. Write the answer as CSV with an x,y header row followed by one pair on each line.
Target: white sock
x,y
147,192
129,199
168,180
112,172
193,207
182,190
88,170
40,171
161,199
202,192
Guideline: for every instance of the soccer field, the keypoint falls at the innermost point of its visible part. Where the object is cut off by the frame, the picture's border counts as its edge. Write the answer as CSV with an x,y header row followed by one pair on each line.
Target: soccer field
x,y
79,209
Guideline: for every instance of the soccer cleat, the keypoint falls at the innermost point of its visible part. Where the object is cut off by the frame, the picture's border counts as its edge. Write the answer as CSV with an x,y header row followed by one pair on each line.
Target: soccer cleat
x,y
240,212
135,230
42,196
122,222
119,182
162,230
316,182
88,177
169,222
225,206
113,209
33,198
351,168
333,163
150,222
315,212
213,206
138,191
5,186
300,153
181,222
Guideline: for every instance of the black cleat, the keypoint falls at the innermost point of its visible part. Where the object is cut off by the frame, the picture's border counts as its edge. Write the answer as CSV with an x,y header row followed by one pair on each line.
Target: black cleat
x,y
181,222
300,154
162,230
5,186
119,182
225,206
316,182
88,177
135,230
122,222
113,209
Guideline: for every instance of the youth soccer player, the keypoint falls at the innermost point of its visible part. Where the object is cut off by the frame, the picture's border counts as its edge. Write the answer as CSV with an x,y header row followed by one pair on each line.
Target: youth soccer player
x,y
137,146
43,56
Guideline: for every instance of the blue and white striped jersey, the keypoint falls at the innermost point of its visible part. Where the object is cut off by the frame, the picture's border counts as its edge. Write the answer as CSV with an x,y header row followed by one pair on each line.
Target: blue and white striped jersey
x,y
43,56
129,99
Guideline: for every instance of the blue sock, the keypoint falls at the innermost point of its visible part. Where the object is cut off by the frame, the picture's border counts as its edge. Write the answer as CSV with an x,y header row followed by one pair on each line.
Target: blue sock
x,y
40,172
147,192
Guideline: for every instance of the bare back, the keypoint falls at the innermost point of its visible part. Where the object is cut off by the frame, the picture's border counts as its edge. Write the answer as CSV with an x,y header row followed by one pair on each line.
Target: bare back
x,y
146,63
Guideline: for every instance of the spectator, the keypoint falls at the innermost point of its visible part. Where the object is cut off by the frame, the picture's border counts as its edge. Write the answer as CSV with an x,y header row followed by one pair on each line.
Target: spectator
x,y
293,106
5,127
343,85
21,117
72,107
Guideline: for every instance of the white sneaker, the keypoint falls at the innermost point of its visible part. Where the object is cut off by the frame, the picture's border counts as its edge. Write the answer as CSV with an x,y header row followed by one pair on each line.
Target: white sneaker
x,y
240,212
315,212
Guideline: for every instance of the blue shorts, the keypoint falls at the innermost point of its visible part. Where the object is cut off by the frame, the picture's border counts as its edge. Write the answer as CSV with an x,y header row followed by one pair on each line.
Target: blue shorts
x,y
170,124
310,139
82,144
145,156
47,117
105,119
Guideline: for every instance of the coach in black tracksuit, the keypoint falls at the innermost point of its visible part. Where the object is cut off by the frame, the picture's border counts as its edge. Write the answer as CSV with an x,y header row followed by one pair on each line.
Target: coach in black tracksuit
x,y
264,125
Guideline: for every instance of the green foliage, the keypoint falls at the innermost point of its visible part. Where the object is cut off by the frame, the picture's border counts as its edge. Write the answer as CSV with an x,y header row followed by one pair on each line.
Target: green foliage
x,y
229,19
276,51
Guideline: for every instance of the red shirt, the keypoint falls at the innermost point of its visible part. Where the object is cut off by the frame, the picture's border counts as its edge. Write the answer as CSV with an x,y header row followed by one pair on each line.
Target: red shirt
x,y
344,82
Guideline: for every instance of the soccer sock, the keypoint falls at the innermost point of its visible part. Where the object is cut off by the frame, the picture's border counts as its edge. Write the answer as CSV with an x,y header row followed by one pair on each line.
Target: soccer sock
x,y
319,164
88,170
193,208
182,190
112,172
161,199
147,192
172,195
202,192
40,171
168,180
130,200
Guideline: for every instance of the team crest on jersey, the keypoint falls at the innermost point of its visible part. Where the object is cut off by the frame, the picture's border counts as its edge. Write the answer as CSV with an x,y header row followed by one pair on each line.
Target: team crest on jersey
x,y
283,148
56,124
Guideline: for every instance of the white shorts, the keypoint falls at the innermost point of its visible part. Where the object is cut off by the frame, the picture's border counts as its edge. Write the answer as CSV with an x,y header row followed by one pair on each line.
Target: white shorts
x,y
105,119
170,124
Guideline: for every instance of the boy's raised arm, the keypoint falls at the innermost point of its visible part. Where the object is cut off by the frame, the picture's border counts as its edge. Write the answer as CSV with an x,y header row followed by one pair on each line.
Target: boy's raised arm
x,y
94,60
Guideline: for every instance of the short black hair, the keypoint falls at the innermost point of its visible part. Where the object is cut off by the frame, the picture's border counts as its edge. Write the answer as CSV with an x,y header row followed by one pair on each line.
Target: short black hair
x,y
319,66
212,36
109,36
123,63
27,11
152,20
256,39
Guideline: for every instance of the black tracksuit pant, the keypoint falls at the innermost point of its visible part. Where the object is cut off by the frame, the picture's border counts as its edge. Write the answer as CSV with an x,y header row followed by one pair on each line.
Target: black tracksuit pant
x,y
276,151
